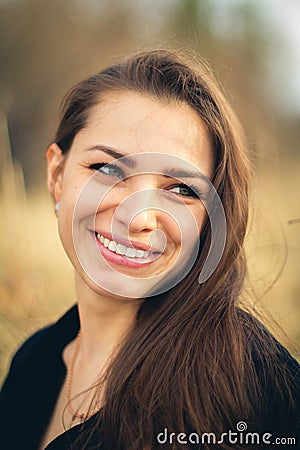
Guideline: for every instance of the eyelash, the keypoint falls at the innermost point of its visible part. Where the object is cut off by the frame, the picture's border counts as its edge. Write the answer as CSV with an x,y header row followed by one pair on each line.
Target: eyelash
x,y
99,166
193,190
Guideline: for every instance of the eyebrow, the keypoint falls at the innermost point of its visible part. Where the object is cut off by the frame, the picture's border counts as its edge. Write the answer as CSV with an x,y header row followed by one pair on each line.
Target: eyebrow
x,y
182,173
127,160
131,163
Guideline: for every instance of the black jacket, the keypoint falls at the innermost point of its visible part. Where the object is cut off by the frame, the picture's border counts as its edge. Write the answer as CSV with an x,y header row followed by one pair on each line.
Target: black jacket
x,y
37,373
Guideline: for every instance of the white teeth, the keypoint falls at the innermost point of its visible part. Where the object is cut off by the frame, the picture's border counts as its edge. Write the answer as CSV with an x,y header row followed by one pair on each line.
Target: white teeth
x,y
122,249
139,253
112,246
131,252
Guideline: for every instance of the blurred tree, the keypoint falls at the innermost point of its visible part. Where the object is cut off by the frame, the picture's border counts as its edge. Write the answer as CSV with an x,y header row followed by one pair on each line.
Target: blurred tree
x,y
242,44
46,47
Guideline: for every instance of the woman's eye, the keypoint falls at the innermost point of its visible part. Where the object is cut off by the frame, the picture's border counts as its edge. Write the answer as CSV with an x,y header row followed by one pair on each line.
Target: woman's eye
x,y
108,169
185,191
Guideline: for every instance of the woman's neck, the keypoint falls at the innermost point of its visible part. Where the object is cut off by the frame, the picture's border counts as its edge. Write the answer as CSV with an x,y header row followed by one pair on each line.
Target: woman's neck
x,y
104,322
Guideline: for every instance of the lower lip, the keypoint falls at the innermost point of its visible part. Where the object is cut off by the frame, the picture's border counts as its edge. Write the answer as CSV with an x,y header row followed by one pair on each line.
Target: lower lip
x,y
124,261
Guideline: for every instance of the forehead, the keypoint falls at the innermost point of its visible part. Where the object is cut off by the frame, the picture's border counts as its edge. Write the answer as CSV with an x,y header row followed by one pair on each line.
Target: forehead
x,y
134,123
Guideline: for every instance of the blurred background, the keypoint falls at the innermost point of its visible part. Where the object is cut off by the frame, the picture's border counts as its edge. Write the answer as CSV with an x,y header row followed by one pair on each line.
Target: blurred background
x,y
46,47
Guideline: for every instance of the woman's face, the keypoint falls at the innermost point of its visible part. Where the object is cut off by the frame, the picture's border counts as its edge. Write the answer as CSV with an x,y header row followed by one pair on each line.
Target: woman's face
x,y
128,218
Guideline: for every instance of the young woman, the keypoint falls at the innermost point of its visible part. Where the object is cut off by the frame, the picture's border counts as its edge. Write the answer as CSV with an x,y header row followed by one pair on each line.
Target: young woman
x,y
150,174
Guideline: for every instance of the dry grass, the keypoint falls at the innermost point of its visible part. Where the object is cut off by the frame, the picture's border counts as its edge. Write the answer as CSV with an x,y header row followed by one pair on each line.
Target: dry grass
x,y
35,275
273,249
36,282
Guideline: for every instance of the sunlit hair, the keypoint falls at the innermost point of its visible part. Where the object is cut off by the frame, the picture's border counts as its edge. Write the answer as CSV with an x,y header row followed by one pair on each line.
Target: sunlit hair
x,y
190,362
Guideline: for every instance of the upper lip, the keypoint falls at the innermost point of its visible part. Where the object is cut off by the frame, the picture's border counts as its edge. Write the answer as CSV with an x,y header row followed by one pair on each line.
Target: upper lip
x,y
128,243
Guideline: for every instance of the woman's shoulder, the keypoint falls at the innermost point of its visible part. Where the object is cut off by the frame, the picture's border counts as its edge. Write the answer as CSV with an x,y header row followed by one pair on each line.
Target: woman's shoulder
x,y
33,381
278,376
264,346
46,341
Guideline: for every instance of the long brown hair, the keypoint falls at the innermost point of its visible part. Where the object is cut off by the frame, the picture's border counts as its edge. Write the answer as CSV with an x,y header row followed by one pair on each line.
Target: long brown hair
x,y
188,364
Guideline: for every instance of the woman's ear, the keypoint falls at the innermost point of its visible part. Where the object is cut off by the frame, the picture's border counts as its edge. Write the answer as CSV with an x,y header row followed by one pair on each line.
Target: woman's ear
x,y
55,160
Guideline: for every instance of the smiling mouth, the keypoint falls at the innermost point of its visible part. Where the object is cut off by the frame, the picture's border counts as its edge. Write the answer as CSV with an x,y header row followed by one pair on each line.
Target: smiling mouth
x,y
125,255
121,249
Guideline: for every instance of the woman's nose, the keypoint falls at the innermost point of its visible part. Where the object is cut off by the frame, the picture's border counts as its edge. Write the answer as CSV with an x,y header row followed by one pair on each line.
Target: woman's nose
x,y
139,211
144,221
